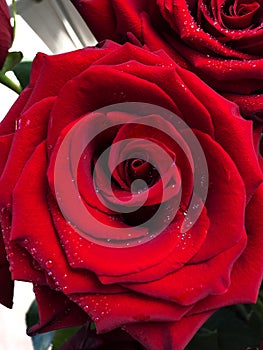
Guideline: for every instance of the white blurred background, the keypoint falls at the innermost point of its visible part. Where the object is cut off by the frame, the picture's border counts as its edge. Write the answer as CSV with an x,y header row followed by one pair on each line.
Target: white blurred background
x,y
49,26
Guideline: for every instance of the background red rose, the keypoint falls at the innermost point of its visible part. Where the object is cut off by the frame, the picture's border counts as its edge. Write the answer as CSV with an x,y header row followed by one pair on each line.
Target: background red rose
x,y
6,34
6,31
159,292
220,41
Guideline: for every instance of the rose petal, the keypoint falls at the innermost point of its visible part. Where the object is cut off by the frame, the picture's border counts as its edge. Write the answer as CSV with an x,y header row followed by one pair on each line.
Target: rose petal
x,y
246,276
109,311
240,129
34,224
208,278
55,311
169,335
31,130
225,186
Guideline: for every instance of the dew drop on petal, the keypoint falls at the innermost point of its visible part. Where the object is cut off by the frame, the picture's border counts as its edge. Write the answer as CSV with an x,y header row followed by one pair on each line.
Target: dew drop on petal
x,y
49,264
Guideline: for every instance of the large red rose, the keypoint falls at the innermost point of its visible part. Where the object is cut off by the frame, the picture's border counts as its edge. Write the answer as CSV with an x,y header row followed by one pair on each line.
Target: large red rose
x,y
221,41
158,287
6,31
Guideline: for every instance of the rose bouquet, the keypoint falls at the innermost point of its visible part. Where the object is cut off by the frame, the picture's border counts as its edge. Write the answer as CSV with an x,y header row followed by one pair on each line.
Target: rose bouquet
x,y
131,192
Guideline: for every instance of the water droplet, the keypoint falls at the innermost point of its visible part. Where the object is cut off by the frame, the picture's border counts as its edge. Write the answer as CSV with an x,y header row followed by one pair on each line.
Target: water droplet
x,y
49,264
18,124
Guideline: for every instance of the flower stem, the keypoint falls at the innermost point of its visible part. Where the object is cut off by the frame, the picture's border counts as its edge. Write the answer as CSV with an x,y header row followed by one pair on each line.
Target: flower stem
x,y
10,84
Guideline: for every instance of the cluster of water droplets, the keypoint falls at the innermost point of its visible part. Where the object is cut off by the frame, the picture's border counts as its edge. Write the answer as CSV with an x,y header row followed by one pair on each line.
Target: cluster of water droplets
x,y
97,307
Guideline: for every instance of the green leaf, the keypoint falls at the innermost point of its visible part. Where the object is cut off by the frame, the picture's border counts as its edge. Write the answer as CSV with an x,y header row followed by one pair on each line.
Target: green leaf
x,y
22,71
5,80
12,59
258,313
230,328
92,326
235,334
62,336
205,339
32,315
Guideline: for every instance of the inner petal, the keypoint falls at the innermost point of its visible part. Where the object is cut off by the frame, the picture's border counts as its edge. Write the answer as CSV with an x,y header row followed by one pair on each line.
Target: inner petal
x,y
240,15
140,169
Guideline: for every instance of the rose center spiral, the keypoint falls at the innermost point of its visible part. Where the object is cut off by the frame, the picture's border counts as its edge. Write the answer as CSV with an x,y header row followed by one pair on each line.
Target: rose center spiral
x,y
242,14
137,168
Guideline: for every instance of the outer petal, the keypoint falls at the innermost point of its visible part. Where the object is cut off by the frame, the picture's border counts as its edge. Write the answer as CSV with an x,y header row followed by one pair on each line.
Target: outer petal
x,y
226,117
247,273
33,230
55,311
31,130
169,335
61,67
8,124
111,311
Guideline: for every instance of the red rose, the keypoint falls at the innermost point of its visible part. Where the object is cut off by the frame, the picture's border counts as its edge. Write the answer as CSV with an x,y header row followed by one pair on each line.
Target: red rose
x,y
6,31
65,135
220,41
6,34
